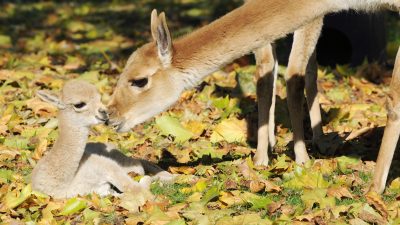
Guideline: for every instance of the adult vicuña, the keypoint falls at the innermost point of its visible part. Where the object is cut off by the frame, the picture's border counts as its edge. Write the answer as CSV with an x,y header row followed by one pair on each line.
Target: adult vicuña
x,y
166,68
73,167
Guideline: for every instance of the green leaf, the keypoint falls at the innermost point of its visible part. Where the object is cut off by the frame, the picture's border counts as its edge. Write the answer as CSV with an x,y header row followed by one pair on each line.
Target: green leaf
x,y
16,142
177,222
305,178
259,202
213,192
89,215
345,163
317,195
171,126
246,80
200,186
5,175
221,103
5,41
204,148
73,205
13,199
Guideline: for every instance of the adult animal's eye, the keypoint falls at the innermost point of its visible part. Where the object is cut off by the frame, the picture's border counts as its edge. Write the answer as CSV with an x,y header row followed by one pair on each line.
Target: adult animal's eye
x,y
80,105
139,82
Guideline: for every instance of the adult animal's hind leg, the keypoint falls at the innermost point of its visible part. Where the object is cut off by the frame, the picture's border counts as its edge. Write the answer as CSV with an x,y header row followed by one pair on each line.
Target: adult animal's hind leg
x,y
312,97
392,131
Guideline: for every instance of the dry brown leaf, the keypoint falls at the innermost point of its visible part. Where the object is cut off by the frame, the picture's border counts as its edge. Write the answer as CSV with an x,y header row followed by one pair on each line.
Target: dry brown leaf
x,y
306,218
8,154
370,218
247,172
182,170
288,210
231,198
40,108
339,192
256,186
376,201
175,210
230,185
3,124
6,74
40,149
271,187
274,206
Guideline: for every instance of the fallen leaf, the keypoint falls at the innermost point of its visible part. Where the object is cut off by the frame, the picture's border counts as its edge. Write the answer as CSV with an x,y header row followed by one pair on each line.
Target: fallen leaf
x,y
230,130
133,201
375,200
73,205
171,126
15,198
40,108
339,192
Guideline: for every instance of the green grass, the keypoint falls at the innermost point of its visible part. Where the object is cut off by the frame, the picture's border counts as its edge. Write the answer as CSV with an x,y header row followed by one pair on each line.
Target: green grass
x,y
172,191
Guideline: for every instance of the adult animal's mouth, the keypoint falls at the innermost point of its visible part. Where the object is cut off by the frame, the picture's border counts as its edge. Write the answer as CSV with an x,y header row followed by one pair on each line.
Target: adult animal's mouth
x,y
104,120
117,125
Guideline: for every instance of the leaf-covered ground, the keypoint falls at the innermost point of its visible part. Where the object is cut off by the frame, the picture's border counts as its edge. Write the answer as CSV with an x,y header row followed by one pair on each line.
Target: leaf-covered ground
x,y
207,138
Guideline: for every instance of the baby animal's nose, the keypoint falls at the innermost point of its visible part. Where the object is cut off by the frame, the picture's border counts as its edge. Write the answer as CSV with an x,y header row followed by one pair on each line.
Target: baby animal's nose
x,y
104,114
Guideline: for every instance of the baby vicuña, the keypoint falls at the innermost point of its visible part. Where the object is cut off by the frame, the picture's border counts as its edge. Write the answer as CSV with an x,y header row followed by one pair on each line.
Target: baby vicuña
x,y
73,166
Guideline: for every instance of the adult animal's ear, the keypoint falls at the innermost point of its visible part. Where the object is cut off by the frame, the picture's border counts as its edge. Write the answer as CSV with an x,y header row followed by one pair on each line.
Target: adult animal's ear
x,y
51,98
162,37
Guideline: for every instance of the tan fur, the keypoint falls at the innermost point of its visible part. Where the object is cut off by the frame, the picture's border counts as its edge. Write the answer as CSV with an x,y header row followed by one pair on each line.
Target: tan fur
x,y
392,131
73,167
266,74
248,28
304,42
299,67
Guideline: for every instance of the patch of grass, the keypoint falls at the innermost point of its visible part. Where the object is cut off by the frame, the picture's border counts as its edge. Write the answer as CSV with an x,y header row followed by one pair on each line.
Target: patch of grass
x,y
357,190
172,191
390,197
345,201
293,197
366,177
111,218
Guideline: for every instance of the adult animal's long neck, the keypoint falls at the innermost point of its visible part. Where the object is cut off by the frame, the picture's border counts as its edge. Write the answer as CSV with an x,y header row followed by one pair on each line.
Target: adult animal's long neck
x,y
68,150
245,29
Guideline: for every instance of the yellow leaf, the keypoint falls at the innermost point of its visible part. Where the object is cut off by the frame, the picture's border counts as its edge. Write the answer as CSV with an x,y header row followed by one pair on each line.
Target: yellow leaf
x,y
182,170
231,198
230,130
197,128
14,198
47,214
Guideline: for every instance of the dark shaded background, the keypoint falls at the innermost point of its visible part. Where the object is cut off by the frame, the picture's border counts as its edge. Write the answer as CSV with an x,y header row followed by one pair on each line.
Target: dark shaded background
x,y
347,38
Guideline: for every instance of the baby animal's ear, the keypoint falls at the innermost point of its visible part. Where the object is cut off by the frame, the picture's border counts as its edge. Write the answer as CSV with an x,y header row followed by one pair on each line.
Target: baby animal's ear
x,y
51,98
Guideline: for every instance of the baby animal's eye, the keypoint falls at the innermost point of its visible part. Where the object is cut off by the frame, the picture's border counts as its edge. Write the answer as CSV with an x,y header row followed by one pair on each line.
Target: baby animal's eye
x,y
80,105
139,82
